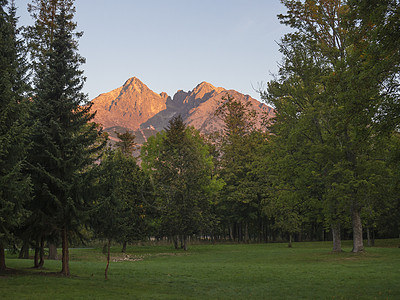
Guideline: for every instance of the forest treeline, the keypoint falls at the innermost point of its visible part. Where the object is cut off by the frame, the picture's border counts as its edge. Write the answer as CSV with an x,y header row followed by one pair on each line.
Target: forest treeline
x,y
326,167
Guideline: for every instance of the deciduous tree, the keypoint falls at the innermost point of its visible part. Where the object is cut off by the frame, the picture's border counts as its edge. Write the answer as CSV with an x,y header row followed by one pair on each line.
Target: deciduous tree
x,y
120,210
330,94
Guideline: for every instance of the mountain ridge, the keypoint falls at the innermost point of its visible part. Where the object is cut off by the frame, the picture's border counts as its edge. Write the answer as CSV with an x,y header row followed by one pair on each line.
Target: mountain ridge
x,y
134,106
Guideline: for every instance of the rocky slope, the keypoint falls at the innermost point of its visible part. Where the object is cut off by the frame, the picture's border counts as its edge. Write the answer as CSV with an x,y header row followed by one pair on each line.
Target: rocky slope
x,y
137,108
128,106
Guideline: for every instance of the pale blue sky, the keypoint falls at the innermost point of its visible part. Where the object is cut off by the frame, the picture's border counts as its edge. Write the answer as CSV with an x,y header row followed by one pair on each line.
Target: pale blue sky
x,y
176,44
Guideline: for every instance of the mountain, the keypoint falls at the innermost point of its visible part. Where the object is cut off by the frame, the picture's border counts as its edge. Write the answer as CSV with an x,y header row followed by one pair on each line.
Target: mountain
x,y
137,108
128,106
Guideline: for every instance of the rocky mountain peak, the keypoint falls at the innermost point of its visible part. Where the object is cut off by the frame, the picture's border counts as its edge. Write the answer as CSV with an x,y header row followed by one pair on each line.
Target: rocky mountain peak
x,y
135,85
180,97
134,104
204,86
205,89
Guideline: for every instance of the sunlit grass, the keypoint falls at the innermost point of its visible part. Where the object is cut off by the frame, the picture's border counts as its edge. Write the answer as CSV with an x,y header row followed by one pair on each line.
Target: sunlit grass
x,y
256,271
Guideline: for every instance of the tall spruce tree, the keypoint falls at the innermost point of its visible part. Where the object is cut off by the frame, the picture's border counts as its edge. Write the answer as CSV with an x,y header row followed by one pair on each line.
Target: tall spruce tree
x,y
14,185
64,140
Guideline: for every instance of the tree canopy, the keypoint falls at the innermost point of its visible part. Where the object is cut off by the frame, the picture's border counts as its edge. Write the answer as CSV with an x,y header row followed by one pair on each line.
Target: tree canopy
x,y
180,167
329,98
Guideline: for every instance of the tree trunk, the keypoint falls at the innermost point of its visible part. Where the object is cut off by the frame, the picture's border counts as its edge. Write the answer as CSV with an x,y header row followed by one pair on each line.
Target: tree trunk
x,y
184,243
273,235
124,247
337,241
108,259
290,240
358,245
52,251
65,253
373,237
41,253
369,243
231,233
24,253
246,233
2,258
36,256
175,239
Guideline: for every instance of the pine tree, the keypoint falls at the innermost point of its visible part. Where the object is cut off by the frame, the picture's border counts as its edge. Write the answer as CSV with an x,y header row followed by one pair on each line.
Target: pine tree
x,y
126,143
64,140
180,167
14,185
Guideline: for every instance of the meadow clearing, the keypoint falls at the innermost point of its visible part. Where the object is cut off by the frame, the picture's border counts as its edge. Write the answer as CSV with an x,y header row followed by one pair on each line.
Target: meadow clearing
x,y
223,271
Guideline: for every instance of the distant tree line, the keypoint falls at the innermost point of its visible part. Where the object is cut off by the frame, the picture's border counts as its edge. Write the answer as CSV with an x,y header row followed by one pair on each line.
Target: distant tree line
x,y
326,167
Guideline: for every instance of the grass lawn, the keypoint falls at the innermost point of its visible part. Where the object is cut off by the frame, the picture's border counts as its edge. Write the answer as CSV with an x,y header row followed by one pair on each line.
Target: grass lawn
x,y
255,271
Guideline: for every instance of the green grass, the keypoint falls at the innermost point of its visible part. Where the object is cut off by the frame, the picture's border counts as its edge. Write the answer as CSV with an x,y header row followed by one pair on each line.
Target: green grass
x,y
256,271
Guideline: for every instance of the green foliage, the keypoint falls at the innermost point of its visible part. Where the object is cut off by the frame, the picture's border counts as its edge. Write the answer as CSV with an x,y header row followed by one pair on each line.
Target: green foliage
x,y
126,143
330,98
180,165
150,151
64,141
120,209
41,36
242,159
14,184
329,158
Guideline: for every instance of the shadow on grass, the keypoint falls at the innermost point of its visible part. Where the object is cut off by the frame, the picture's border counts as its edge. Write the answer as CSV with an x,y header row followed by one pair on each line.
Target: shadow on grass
x,y
34,272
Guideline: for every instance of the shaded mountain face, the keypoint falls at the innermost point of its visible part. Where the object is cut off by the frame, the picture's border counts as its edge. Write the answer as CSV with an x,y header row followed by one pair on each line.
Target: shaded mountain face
x,y
136,108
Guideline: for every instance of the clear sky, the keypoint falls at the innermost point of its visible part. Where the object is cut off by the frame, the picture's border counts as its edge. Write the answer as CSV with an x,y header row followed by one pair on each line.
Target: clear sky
x,y
176,44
